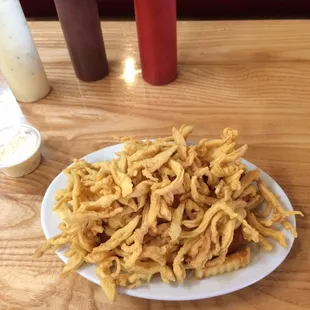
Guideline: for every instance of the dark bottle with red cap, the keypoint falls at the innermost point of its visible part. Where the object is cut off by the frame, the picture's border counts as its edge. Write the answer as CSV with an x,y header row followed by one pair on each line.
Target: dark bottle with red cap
x,y
80,24
157,36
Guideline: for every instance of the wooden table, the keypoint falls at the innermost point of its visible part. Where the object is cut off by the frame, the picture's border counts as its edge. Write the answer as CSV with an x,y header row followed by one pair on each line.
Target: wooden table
x,y
254,76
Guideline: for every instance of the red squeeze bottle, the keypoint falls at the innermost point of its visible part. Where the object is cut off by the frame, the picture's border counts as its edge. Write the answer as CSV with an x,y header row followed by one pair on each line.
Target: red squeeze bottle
x,y
80,24
157,35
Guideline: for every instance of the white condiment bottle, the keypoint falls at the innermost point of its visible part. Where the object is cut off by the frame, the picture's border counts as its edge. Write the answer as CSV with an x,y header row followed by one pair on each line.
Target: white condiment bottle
x,y
20,62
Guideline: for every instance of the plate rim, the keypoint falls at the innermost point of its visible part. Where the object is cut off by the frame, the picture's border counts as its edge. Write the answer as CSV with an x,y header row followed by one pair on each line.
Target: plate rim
x,y
148,295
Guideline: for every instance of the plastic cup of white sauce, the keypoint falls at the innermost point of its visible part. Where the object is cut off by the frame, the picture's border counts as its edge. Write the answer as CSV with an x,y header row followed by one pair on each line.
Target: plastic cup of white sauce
x,y
20,152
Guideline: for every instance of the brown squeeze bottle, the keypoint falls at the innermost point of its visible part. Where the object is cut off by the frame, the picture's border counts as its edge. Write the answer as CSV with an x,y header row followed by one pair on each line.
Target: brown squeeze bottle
x,y
157,36
80,24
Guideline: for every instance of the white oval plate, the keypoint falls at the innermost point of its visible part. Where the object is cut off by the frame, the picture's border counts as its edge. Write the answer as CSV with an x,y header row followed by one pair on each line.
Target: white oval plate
x,y
262,263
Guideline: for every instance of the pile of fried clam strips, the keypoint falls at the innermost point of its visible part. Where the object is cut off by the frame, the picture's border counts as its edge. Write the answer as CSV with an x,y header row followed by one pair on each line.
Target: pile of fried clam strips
x,y
165,207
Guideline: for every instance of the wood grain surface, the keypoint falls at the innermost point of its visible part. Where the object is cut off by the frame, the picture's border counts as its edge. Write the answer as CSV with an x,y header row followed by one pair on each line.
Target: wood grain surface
x,y
251,75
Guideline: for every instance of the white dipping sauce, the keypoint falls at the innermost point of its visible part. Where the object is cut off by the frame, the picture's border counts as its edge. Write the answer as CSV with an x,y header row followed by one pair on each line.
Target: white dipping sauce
x,y
20,62
19,150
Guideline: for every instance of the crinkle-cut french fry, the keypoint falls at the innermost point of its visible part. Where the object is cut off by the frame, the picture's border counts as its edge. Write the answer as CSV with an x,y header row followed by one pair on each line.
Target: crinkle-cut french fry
x,y
232,262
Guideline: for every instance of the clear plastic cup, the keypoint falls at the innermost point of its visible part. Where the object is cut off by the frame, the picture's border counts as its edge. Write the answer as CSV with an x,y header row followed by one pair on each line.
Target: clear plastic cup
x,y
20,152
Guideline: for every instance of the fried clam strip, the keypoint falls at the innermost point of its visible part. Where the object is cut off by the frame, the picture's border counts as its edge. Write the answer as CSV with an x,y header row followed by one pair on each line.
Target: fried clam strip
x,y
220,151
271,198
109,267
104,201
152,268
205,145
141,189
87,216
108,285
180,141
77,165
233,181
216,220
264,213
154,210
121,179
144,153
254,202
133,245
249,192
117,238
77,257
222,191
169,199
107,276
220,249
190,156
132,280
185,131
164,212
122,162
197,197
76,192
103,183
178,137
232,157
232,262
52,243
200,250
86,239
194,213
245,181
225,171
205,171
104,170
175,227
229,134
176,183
178,266
288,226
266,232
265,244
63,208
99,257
120,220
220,205
152,164
65,198
136,248
228,235
155,253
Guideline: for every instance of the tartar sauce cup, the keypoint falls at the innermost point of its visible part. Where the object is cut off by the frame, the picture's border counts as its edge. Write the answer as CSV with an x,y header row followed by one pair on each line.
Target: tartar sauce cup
x,y
20,152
